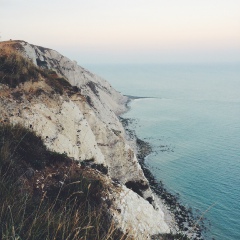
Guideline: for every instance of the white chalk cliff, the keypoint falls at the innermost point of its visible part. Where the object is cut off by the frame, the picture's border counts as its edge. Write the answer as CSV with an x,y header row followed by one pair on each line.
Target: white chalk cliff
x,y
85,126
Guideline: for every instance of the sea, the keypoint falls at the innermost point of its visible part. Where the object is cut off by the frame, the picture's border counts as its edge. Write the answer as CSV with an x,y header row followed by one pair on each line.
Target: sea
x,y
191,118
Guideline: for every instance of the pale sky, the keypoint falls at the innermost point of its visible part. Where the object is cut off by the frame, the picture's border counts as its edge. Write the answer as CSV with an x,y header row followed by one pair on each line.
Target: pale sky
x,y
128,31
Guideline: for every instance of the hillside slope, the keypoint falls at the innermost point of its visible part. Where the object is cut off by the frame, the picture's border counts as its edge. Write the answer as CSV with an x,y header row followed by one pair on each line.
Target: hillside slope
x,y
76,112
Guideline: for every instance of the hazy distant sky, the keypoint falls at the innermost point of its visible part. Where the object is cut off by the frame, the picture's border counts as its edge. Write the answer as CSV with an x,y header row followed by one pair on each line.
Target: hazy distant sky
x,y
128,31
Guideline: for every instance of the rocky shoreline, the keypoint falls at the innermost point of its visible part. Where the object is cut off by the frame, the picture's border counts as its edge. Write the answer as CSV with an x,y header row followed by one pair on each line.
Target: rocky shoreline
x,y
183,216
188,225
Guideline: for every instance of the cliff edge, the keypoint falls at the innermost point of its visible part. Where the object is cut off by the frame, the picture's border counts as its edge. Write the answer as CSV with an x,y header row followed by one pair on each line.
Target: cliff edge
x,y
76,113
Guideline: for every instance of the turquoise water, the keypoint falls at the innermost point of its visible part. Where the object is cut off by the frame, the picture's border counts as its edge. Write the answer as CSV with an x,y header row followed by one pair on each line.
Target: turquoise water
x,y
193,124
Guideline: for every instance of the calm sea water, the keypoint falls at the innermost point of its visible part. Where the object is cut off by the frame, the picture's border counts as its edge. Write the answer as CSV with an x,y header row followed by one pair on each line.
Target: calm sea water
x,y
193,124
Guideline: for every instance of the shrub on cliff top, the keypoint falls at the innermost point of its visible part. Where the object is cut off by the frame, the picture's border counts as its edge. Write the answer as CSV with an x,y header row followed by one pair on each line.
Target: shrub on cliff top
x,y
15,69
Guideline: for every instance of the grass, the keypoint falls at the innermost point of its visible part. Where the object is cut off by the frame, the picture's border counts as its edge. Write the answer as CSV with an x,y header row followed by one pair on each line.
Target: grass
x,y
45,195
16,69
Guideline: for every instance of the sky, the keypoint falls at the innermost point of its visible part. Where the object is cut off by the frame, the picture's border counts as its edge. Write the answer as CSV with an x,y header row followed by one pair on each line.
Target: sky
x,y
128,31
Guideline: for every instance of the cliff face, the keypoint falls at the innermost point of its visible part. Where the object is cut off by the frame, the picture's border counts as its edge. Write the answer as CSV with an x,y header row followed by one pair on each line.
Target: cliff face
x,y
76,112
